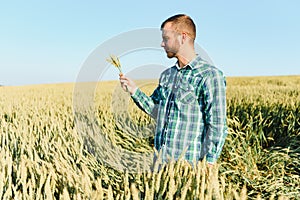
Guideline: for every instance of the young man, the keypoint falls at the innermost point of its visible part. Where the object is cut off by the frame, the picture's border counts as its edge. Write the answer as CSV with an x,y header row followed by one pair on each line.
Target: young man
x,y
189,104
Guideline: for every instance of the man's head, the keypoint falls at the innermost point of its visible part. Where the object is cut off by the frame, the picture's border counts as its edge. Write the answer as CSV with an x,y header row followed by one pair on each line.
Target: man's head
x,y
176,31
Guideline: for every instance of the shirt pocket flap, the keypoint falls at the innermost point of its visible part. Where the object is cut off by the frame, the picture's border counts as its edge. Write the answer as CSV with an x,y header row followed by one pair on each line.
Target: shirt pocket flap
x,y
186,93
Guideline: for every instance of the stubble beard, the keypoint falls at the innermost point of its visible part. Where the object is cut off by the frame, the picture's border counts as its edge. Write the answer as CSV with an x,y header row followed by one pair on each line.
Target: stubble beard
x,y
170,54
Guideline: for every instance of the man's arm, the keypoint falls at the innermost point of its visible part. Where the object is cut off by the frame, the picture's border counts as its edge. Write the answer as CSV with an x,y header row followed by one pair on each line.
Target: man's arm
x,y
215,115
144,102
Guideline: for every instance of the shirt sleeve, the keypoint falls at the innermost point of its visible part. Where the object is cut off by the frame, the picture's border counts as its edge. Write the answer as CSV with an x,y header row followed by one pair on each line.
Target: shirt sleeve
x,y
148,104
215,115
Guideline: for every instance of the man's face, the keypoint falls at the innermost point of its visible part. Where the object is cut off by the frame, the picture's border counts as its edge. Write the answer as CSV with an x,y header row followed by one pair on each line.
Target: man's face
x,y
170,41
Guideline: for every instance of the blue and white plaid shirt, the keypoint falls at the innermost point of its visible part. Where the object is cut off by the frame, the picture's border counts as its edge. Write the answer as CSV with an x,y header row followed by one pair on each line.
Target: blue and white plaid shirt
x,y
189,106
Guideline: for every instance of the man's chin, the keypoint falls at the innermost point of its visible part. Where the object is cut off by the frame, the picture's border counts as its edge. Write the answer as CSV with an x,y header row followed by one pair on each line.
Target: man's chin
x,y
170,55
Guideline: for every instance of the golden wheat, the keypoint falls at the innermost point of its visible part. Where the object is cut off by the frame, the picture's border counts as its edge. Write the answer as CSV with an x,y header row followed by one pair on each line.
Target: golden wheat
x,y
44,157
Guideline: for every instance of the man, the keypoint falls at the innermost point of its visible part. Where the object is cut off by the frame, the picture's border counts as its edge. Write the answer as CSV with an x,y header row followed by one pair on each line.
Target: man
x,y
189,104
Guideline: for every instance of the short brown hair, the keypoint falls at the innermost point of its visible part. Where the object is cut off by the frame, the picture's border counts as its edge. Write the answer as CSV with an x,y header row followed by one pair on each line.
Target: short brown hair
x,y
182,23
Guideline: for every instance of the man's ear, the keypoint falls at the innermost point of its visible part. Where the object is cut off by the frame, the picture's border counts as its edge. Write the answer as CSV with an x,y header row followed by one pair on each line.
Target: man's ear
x,y
183,37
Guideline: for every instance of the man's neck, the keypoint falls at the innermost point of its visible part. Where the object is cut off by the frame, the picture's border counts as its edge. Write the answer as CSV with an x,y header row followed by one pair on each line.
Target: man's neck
x,y
183,60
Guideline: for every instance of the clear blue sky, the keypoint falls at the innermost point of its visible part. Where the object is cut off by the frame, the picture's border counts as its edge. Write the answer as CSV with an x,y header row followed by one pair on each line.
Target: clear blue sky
x,y
48,41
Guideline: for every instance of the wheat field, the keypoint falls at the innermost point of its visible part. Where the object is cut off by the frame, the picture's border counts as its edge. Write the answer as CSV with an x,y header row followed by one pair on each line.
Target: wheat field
x,y
45,155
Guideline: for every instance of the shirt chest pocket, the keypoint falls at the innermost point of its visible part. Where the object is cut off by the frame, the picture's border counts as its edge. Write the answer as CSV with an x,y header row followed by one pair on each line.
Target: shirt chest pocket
x,y
185,94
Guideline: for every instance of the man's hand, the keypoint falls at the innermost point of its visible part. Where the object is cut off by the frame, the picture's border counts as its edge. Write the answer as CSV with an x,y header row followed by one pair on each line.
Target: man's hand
x,y
127,84
210,165
209,168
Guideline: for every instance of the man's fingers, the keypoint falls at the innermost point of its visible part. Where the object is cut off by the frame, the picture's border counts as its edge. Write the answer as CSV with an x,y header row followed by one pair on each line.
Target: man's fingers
x,y
123,78
127,84
124,81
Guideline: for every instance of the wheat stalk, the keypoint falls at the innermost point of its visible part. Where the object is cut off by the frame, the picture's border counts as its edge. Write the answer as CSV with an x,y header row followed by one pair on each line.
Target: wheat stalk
x,y
114,60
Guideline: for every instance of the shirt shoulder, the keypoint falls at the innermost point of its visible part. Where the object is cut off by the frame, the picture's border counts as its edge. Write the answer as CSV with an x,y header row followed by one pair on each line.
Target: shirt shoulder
x,y
205,69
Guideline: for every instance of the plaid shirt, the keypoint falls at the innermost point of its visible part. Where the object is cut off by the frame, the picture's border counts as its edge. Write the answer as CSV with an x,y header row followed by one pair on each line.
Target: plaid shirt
x,y
189,106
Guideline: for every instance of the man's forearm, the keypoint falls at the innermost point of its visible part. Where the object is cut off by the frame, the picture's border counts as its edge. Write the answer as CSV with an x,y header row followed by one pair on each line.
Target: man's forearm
x,y
144,102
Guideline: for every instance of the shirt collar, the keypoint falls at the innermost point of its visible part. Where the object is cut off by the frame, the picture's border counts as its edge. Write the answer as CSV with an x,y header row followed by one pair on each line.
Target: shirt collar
x,y
197,62
194,64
